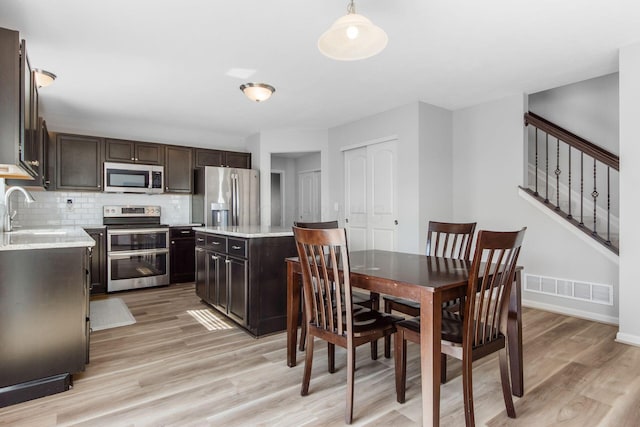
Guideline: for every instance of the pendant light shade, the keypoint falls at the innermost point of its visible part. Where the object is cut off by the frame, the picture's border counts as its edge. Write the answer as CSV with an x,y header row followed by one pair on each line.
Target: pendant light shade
x,y
44,78
352,37
257,92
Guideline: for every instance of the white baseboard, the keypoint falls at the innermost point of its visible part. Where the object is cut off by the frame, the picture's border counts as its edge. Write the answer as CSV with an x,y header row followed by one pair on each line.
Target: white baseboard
x,y
581,314
623,338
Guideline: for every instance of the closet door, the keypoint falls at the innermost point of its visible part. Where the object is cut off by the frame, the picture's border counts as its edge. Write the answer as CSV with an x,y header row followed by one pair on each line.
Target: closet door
x,y
371,200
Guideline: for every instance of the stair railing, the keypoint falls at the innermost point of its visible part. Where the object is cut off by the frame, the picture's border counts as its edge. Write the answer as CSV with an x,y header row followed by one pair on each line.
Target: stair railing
x,y
568,155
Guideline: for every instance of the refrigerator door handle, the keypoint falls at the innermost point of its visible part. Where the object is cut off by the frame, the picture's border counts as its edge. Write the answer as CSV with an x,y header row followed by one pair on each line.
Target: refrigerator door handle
x,y
235,199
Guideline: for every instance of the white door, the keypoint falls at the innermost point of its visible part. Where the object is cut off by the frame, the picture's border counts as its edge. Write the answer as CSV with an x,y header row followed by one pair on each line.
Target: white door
x,y
371,196
309,196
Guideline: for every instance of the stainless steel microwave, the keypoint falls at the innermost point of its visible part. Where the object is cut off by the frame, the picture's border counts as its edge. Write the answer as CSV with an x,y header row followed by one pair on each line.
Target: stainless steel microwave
x,y
133,178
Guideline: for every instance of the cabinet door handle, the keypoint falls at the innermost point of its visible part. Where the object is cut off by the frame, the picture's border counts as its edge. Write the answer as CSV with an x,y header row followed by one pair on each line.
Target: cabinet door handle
x,y
227,261
236,247
215,243
173,242
215,257
200,240
186,232
35,163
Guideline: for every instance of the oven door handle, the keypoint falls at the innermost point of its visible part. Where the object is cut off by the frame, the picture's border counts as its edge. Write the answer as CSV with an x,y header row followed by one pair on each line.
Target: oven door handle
x,y
137,231
127,254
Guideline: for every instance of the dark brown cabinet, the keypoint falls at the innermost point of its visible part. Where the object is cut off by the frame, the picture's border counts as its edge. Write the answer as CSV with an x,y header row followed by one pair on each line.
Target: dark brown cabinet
x,y
41,160
182,254
118,150
78,162
20,152
98,262
45,300
245,279
233,159
178,170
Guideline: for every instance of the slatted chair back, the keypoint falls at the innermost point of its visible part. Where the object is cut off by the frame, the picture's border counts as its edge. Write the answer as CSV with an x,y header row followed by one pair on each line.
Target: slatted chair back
x,y
327,292
450,240
489,289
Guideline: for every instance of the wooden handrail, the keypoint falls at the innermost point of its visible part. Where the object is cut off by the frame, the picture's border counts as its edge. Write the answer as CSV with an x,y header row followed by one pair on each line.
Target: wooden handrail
x,y
573,140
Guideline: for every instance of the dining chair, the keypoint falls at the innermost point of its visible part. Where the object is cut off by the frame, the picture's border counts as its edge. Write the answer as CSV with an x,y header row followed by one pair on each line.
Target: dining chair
x,y
444,239
479,330
371,301
329,308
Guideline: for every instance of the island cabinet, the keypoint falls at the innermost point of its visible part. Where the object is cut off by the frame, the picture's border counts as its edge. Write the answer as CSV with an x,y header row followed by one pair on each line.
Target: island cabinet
x,y
244,278
44,321
148,153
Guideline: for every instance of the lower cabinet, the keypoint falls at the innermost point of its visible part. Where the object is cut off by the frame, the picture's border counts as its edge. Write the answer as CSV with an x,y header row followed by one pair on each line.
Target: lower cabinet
x,y
44,313
181,254
98,262
245,279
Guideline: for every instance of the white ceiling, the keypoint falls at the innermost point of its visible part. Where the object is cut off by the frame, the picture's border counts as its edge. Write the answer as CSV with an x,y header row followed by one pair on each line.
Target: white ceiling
x,y
156,69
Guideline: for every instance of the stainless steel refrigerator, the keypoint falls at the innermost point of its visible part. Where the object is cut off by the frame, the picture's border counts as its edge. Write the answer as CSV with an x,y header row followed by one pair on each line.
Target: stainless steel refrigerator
x,y
226,197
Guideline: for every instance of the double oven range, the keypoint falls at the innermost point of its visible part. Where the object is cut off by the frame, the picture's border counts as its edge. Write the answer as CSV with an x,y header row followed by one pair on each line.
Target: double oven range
x,y
137,247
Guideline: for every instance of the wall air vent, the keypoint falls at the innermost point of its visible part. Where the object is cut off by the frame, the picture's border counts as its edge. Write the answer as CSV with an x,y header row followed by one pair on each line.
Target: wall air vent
x,y
584,291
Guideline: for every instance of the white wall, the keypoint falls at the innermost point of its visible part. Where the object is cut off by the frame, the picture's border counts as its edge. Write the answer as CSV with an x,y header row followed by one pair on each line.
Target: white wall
x,y
436,168
487,170
289,191
630,203
424,165
589,108
262,146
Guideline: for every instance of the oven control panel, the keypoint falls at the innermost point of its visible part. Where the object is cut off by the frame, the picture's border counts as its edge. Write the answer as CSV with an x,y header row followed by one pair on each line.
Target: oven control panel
x,y
131,211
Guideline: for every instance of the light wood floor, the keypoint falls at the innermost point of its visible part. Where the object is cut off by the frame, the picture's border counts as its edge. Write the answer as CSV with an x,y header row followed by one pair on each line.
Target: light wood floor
x,y
169,370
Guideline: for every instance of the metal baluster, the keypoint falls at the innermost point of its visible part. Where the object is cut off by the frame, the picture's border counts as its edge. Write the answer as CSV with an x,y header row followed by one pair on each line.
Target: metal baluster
x,y
536,171
595,195
608,206
581,189
557,172
569,215
546,169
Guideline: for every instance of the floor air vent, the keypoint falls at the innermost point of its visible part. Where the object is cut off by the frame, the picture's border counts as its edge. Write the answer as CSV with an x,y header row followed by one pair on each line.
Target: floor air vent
x,y
583,291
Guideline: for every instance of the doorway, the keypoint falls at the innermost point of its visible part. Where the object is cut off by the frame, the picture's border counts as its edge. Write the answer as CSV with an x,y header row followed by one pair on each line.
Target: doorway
x,y
309,196
277,198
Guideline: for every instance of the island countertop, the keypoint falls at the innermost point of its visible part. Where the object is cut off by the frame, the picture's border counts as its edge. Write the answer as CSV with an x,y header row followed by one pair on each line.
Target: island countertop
x,y
45,238
248,231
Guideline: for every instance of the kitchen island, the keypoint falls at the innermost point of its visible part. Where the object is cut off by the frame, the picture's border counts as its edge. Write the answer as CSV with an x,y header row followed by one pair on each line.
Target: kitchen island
x,y
240,271
44,311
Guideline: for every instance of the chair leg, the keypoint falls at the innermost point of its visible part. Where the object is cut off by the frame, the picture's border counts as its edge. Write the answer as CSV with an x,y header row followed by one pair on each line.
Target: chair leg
x,y
387,339
308,362
351,368
374,350
400,359
303,332
443,368
331,357
467,388
506,383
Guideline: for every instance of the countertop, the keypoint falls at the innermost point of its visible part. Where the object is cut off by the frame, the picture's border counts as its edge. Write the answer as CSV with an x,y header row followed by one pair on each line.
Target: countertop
x,y
45,238
248,231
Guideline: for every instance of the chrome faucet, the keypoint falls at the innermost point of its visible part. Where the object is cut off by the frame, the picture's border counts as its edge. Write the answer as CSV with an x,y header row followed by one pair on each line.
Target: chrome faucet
x,y
7,205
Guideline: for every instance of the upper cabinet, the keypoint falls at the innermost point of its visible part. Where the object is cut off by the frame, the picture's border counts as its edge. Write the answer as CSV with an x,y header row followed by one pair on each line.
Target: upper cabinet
x,y
178,169
20,152
78,162
231,159
118,150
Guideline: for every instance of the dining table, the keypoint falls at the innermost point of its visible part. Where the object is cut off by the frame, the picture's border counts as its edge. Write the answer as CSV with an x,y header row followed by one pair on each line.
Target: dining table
x,y
429,280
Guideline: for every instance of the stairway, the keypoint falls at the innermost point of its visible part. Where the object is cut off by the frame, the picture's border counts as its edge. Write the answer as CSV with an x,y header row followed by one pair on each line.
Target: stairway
x,y
574,178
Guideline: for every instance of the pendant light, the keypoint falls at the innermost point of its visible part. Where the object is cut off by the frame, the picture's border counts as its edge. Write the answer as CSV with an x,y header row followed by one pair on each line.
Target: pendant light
x,y
352,37
43,77
257,92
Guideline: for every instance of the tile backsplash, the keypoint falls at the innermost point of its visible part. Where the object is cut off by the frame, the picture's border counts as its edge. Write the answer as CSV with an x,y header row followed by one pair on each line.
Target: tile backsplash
x,y
51,208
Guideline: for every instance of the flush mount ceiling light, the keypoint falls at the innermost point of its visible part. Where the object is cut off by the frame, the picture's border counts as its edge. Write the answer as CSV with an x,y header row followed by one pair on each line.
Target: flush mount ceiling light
x,y
43,78
257,92
352,37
